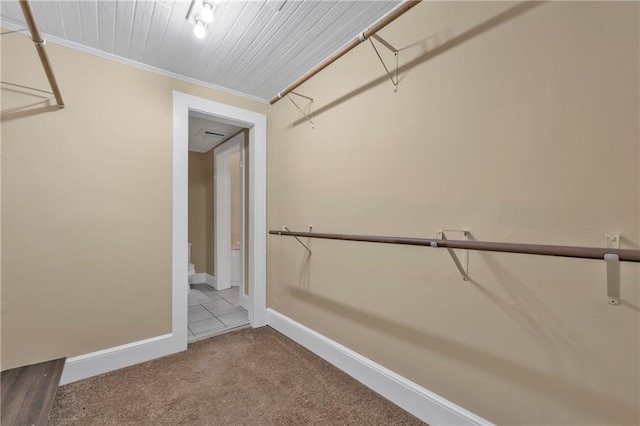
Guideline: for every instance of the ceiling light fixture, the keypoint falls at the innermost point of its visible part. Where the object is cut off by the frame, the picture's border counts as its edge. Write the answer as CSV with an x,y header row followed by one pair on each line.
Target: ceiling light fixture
x,y
200,15
206,14
199,31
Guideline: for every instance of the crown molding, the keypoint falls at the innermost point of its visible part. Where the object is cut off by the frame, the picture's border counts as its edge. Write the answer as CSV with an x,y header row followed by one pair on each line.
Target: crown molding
x,y
110,56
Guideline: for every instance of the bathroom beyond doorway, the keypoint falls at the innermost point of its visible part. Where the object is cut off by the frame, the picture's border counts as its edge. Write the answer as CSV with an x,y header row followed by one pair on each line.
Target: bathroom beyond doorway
x,y
218,299
220,314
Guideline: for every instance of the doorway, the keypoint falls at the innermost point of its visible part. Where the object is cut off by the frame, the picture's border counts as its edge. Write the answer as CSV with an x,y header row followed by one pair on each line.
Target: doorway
x,y
218,300
255,217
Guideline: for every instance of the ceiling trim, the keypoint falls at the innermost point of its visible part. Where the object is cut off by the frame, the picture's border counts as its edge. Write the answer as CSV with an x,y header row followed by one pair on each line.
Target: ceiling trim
x,y
135,64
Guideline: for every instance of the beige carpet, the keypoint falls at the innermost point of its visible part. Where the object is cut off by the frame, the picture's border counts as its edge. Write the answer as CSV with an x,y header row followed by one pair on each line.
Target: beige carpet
x,y
247,377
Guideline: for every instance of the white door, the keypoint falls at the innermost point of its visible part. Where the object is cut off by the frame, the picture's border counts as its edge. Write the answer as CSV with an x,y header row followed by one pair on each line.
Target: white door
x,y
240,268
229,216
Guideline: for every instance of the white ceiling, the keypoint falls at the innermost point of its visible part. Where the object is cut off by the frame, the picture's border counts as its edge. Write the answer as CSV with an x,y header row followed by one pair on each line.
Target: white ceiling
x,y
205,133
255,47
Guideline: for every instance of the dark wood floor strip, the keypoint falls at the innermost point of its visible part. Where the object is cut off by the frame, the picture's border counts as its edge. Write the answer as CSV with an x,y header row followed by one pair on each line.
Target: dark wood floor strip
x,y
28,393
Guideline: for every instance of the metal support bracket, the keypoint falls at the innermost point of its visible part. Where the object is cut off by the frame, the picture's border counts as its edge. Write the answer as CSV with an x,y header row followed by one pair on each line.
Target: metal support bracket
x,y
395,54
612,241
286,228
613,269
613,278
463,266
309,116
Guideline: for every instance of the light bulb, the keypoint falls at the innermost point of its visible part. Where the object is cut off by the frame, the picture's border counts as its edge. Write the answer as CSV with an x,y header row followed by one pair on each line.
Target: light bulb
x,y
199,30
206,13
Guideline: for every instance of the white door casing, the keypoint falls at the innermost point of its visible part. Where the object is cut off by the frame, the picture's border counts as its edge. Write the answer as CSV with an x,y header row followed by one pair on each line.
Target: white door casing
x,y
257,208
245,301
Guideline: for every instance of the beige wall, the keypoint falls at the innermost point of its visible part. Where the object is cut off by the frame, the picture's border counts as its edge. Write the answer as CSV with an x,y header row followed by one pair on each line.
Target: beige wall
x,y
86,212
519,123
201,201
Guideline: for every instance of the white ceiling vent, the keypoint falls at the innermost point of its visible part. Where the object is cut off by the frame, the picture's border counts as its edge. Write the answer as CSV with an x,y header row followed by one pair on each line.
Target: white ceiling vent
x,y
276,5
210,134
206,138
205,134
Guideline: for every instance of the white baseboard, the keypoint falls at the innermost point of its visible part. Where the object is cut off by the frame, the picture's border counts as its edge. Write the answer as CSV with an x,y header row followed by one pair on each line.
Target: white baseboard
x,y
422,403
104,361
203,278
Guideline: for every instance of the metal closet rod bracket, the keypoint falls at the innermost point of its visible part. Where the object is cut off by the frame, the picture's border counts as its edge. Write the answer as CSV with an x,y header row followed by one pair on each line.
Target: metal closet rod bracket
x,y
286,228
395,54
464,270
613,269
306,116
613,278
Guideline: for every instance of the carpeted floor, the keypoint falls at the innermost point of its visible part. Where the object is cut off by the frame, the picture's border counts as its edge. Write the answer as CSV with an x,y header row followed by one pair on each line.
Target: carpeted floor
x,y
247,377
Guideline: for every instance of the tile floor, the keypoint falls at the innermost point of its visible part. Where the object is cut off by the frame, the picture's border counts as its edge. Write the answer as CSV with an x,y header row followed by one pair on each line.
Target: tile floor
x,y
221,314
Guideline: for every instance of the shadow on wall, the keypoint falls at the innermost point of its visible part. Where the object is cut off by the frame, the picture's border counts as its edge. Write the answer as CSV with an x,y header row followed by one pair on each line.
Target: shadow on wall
x,y
28,111
430,47
27,108
629,243
536,319
523,301
304,278
525,309
611,411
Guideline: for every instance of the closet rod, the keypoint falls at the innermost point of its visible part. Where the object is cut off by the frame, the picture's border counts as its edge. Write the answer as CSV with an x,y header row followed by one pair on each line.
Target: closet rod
x,y
625,255
40,42
361,38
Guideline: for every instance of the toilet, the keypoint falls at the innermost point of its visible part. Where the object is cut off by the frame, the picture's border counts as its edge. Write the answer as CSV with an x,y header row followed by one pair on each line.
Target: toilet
x,y
192,267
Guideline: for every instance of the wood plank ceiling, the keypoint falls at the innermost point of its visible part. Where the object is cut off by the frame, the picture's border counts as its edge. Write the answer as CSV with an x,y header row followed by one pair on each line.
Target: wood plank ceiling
x,y
255,47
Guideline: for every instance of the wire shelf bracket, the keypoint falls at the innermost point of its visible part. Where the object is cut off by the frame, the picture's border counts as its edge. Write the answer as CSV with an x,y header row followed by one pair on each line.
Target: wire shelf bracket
x,y
463,266
309,117
395,54
286,228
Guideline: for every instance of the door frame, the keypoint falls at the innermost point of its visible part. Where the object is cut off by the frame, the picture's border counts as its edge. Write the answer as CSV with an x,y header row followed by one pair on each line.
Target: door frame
x,y
257,209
